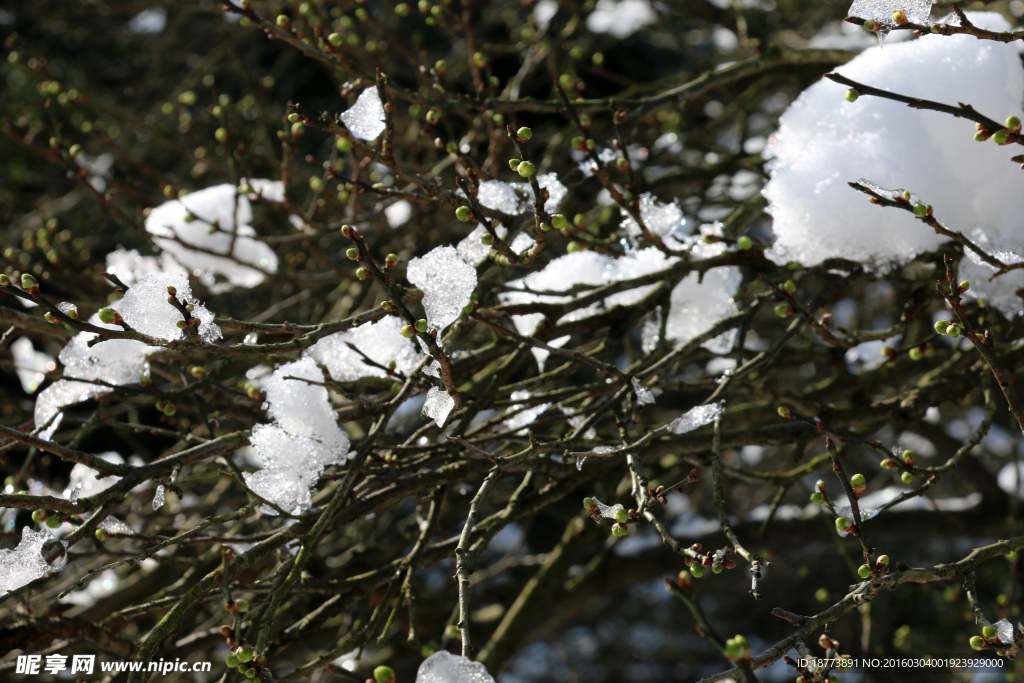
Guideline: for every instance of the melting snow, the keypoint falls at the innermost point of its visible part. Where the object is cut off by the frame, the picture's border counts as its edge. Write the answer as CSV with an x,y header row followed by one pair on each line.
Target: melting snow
x,y
444,667
366,118
447,283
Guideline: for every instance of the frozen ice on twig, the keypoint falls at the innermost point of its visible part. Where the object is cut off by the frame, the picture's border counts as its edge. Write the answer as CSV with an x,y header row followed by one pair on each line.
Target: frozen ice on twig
x,y
444,667
916,11
447,283
199,231
112,525
380,341
605,511
158,497
643,394
472,250
438,405
695,418
365,119
30,365
25,564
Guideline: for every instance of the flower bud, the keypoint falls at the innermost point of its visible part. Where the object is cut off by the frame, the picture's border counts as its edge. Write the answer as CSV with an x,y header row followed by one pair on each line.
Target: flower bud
x,y
559,222
53,522
871,25
39,516
953,331
421,325
433,116
842,523
684,579
744,243
920,210
407,331
514,163
525,169
107,315
789,286
29,283
697,570
384,674
863,571
487,239
244,654
621,516
900,18
232,661
907,478
989,632
242,606
977,643
5,281
1001,137
782,310
941,326
737,648
480,59
784,411
101,535
316,184
619,530
352,253
857,480
588,502
622,164
883,560
965,285
524,133
362,273
908,456
462,213
75,150
817,498
852,95
1013,123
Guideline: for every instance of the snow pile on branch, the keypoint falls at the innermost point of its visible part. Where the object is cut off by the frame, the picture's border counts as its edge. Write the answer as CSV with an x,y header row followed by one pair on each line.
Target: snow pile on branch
x,y
380,341
444,667
664,220
24,564
471,249
120,361
199,232
365,119
304,438
447,283
825,141
30,365
695,306
116,361
916,11
146,308
129,266
516,198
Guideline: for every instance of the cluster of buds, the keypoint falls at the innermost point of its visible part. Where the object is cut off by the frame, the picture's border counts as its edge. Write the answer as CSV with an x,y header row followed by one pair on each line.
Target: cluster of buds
x,y
1010,134
582,144
864,571
947,328
409,331
46,517
818,497
240,606
737,649
989,638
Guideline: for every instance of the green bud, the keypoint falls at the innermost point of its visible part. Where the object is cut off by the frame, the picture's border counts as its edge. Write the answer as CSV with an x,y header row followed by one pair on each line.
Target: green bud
x,y
524,133
1001,137
362,273
232,661
558,221
383,674
744,243
782,310
343,145
817,497
871,25
965,285
619,530
697,570
462,213
852,95
335,39
316,184
75,150
4,280
244,654
221,134
107,315
574,247
396,388
789,286
915,353
863,571
784,411
907,478
716,568
842,523
588,502
421,325
857,480
920,210
39,516
352,253
28,283
977,643
525,169
883,560
250,673
487,239
953,331
1013,123
402,9
514,163
941,326
407,331
242,606
53,522
621,516
989,632
480,59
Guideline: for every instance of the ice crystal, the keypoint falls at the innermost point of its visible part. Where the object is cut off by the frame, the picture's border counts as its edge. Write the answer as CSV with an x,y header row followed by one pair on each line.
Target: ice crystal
x,y
650,333
447,283
824,141
112,525
472,250
146,308
304,438
30,365
83,479
366,118
606,511
380,341
643,394
199,231
158,497
438,406
25,564
695,418
499,196
444,667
